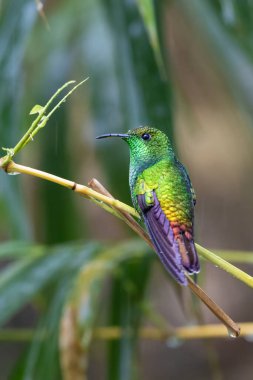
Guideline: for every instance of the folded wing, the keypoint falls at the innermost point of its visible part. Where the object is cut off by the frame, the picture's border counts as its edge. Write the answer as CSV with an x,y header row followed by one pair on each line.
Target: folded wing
x,y
176,253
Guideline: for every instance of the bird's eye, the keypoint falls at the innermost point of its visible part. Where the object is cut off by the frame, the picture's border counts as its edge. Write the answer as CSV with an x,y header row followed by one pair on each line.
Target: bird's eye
x,y
146,136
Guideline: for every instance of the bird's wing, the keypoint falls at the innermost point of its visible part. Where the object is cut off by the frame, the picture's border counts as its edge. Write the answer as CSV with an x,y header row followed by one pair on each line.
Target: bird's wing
x,y
188,181
161,233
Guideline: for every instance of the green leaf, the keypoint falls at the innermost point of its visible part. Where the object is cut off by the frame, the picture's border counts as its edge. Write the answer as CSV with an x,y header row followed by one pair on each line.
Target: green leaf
x,y
36,109
87,292
148,14
17,249
42,361
9,151
86,303
128,291
21,281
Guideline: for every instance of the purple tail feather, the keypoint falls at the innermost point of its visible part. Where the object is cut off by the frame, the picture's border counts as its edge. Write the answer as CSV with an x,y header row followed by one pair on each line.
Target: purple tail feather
x,y
177,254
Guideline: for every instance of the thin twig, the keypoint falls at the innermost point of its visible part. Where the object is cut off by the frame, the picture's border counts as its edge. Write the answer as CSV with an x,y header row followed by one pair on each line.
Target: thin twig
x,y
129,220
232,327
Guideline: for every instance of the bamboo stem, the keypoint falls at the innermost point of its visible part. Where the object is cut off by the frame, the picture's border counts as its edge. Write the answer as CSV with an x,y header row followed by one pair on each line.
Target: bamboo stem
x,y
16,335
182,333
209,331
82,190
226,266
244,257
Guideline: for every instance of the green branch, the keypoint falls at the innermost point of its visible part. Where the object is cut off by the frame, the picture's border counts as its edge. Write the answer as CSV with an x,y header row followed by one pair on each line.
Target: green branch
x,y
226,266
85,191
151,333
236,256
40,121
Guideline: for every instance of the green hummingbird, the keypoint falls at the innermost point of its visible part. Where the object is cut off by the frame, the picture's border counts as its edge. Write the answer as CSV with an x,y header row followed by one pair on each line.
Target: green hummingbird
x,y
162,193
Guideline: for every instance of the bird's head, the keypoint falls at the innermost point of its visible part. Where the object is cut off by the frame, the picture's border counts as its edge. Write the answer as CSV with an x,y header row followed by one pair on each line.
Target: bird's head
x,y
145,143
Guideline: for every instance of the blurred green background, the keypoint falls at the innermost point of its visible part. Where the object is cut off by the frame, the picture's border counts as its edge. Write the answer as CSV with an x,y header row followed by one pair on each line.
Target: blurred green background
x,y
182,66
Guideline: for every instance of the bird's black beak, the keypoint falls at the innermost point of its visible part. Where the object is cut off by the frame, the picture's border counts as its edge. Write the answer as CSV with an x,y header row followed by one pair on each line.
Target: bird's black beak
x,y
122,135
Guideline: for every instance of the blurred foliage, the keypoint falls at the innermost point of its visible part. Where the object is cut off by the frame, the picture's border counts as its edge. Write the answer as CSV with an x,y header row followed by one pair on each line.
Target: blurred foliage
x,y
14,31
47,263
226,26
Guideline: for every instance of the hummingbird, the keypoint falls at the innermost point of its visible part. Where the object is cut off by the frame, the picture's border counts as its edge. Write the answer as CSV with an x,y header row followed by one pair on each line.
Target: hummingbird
x,y
162,193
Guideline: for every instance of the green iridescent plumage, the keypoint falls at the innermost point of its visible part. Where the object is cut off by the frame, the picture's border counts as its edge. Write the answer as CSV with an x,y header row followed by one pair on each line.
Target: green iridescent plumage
x,y
162,193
